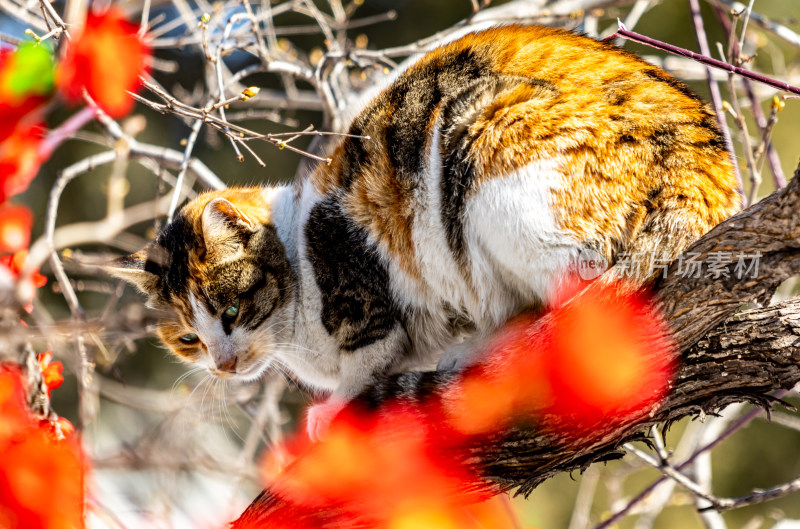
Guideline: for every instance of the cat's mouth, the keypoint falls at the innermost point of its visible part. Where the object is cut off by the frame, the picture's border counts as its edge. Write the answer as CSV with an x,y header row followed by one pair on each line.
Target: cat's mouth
x,y
245,374
223,375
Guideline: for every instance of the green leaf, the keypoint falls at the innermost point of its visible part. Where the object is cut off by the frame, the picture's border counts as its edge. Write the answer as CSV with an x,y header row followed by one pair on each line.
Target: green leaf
x,y
30,71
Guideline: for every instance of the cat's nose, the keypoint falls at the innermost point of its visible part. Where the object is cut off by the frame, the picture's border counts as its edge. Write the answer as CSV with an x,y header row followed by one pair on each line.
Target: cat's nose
x,y
228,364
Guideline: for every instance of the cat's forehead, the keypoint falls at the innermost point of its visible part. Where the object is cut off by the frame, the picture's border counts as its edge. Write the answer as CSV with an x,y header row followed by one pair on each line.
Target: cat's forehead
x,y
217,284
215,277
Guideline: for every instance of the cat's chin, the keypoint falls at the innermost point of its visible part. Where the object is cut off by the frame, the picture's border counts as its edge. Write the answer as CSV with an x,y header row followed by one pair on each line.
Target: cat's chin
x,y
252,373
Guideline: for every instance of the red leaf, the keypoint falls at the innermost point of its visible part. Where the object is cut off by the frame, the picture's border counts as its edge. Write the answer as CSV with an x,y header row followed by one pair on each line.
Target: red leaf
x,y
14,417
41,480
16,262
106,59
605,354
41,483
389,468
20,159
15,227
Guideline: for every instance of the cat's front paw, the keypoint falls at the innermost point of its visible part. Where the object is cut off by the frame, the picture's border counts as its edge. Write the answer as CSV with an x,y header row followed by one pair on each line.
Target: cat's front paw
x,y
320,416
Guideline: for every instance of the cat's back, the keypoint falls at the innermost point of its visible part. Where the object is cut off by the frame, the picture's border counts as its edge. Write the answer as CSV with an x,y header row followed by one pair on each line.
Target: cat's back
x,y
482,171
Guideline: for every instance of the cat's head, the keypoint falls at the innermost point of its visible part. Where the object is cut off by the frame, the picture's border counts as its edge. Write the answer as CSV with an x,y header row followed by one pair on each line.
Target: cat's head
x,y
220,276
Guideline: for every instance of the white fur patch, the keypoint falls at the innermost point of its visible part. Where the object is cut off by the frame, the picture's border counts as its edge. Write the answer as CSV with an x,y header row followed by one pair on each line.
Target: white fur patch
x,y
209,328
517,252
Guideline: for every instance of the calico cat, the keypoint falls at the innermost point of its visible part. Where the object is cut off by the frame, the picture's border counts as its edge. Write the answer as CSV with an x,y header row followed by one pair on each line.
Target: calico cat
x,y
472,184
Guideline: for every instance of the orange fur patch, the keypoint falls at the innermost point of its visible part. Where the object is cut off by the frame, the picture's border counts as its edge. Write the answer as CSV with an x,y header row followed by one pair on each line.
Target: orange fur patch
x,y
248,200
631,141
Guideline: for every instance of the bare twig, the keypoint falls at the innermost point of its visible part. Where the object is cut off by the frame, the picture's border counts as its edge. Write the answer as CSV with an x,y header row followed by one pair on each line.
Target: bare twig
x,y
773,27
713,87
642,39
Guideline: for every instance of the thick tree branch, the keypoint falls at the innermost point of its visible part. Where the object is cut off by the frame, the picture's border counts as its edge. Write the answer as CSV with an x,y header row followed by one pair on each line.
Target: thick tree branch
x,y
769,229
741,359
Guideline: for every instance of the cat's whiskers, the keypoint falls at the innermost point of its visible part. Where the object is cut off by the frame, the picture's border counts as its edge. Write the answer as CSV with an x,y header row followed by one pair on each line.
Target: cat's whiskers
x,y
203,409
226,409
222,419
188,402
183,377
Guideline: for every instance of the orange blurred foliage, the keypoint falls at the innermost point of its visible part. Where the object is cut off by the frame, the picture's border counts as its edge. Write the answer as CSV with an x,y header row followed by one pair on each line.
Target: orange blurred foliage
x,y
41,480
16,262
20,158
603,354
15,227
390,469
106,59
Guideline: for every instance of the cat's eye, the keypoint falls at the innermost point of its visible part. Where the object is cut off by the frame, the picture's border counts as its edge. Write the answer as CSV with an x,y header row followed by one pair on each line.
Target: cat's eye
x,y
232,311
189,339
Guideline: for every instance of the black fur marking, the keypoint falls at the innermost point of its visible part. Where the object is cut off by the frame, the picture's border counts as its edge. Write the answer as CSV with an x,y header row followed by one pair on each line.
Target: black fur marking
x,y
457,170
411,100
717,142
415,387
267,280
414,98
617,92
355,154
662,77
709,121
356,303
663,141
654,193
169,258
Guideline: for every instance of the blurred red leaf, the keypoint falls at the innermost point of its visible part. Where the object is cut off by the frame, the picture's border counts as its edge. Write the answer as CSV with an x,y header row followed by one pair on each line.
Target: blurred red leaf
x,y
611,354
603,354
106,59
388,468
13,415
16,262
41,480
15,227
20,158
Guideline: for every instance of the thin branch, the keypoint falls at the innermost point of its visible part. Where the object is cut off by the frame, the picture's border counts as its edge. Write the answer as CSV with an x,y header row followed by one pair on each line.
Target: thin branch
x,y
779,30
672,473
671,48
772,155
644,494
713,88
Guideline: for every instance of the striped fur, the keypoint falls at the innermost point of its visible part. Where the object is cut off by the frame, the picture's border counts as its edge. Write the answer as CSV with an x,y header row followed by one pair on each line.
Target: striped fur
x,y
475,180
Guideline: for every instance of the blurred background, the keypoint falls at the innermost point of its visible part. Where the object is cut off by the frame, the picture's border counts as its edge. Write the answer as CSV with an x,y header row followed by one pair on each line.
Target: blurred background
x,y
171,448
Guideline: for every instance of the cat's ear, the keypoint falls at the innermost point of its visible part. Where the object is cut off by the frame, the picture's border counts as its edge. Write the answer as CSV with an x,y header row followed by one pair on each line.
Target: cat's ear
x,y
137,269
224,224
